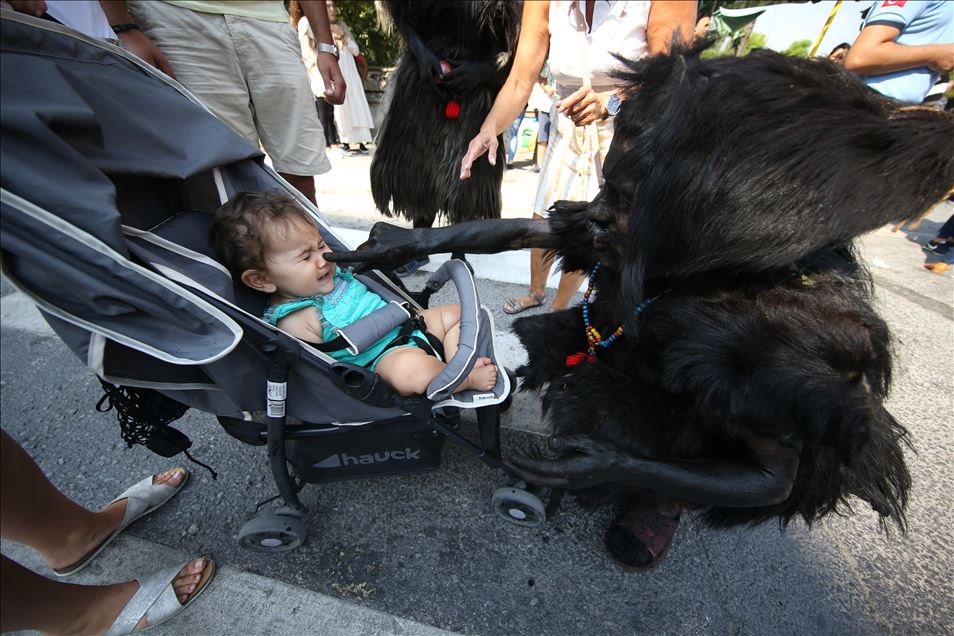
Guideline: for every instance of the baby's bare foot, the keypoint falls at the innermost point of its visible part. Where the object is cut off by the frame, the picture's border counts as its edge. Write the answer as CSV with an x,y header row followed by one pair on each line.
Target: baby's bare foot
x,y
483,377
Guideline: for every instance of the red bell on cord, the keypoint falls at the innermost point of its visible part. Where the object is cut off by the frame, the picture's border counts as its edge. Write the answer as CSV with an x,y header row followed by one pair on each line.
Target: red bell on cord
x,y
452,110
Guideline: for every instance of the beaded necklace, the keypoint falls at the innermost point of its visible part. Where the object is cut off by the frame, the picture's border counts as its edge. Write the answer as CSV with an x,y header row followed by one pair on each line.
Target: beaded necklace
x,y
593,337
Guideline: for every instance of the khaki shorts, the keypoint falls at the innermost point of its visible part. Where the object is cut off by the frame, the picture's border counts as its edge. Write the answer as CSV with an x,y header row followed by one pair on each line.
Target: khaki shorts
x,y
249,73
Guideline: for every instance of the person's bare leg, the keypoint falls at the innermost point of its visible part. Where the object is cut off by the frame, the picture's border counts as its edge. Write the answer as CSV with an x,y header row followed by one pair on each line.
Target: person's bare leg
x,y
541,152
304,184
569,286
35,513
539,272
30,601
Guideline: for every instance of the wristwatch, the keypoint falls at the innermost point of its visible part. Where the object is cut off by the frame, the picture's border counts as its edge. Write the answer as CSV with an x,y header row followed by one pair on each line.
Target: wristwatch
x,y
327,48
612,105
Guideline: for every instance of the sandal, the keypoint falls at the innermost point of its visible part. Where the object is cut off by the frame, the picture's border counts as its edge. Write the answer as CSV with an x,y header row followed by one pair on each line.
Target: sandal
x,y
156,600
141,499
640,536
516,305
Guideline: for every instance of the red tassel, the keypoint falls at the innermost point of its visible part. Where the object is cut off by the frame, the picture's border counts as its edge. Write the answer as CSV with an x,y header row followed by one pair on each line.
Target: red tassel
x,y
452,110
579,358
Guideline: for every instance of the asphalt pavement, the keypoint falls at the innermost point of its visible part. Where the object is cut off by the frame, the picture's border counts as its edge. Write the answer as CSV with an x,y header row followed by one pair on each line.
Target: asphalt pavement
x,y
425,553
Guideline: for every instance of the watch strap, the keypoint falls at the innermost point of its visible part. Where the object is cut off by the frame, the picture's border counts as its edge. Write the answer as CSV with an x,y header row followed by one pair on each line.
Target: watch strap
x,y
327,48
125,26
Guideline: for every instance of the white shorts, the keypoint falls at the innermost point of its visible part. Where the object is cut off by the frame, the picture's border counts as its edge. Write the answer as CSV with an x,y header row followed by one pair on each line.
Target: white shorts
x,y
250,75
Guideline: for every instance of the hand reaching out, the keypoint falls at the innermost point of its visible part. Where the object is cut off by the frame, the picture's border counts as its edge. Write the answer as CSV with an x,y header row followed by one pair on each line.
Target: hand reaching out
x,y
485,141
584,106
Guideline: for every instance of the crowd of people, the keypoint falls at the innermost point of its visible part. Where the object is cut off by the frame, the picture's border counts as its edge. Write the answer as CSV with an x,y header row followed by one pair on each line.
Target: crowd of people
x,y
297,91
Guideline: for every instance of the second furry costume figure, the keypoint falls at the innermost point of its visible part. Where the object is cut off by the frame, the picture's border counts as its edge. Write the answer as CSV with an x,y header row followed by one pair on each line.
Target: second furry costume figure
x,y
728,357
457,56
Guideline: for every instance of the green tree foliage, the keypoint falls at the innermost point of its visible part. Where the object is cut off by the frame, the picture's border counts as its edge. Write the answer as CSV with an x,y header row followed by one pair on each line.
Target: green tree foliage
x,y
756,41
798,48
379,48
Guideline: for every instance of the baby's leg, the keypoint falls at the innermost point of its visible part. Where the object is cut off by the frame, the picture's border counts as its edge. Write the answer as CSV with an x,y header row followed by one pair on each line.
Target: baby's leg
x,y
409,370
444,323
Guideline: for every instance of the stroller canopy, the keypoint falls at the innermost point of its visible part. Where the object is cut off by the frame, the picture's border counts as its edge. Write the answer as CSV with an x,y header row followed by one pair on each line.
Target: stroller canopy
x,y
77,118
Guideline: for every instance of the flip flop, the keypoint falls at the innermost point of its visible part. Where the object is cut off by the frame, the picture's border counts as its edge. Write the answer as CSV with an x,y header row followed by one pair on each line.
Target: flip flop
x,y
639,537
516,305
156,600
142,498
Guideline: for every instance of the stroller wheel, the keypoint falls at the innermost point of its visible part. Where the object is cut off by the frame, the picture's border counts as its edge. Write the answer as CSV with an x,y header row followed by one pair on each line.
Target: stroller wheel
x,y
519,506
272,531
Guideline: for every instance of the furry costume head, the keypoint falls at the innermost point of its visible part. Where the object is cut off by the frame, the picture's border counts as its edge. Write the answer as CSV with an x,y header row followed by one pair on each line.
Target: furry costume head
x,y
733,166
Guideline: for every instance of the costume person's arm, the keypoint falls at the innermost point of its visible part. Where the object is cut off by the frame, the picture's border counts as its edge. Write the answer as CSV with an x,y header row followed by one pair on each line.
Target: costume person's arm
x,y
317,13
392,245
532,49
715,483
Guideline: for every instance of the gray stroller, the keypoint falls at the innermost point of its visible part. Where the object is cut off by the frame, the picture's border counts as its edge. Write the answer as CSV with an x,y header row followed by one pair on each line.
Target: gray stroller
x,y
110,172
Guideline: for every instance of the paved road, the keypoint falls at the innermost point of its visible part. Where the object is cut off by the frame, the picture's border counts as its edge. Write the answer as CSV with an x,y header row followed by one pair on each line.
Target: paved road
x,y
424,553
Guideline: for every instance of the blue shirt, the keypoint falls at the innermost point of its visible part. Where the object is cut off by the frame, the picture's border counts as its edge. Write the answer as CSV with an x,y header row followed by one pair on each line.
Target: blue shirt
x,y
920,23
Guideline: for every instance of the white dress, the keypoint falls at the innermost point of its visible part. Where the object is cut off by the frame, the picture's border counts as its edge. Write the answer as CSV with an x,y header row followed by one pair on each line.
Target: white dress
x,y
353,118
572,165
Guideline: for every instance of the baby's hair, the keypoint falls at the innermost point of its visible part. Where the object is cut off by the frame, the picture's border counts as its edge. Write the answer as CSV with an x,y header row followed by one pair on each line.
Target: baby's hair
x,y
244,226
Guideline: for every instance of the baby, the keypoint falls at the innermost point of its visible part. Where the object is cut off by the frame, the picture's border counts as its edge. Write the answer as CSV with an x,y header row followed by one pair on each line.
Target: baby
x,y
268,241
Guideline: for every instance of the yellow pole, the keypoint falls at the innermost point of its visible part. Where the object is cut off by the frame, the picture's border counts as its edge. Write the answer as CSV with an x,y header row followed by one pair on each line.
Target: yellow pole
x,y
821,35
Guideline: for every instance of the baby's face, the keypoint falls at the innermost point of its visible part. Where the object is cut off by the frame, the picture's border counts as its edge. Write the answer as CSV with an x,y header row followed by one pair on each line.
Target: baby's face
x,y
296,265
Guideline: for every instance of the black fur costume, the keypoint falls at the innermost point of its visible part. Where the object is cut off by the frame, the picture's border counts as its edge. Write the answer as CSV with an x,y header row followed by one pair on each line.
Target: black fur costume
x,y
416,166
753,385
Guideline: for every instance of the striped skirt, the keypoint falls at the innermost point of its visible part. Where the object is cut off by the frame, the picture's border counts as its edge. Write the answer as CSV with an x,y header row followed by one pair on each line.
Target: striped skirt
x,y
571,168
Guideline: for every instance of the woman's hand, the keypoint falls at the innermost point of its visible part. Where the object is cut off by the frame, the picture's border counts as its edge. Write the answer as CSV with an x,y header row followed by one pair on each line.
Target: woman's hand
x,y
485,141
584,106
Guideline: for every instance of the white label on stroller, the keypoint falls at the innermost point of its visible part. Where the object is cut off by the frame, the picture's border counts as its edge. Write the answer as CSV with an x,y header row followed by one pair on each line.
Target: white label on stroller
x,y
484,396
275,409
276,391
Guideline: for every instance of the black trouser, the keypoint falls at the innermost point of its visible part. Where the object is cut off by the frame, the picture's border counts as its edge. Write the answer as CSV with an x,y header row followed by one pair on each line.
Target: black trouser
x,y
326,115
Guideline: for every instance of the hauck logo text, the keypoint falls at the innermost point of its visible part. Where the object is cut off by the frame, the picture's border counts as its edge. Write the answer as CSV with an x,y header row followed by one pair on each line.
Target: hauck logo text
x,y
340,460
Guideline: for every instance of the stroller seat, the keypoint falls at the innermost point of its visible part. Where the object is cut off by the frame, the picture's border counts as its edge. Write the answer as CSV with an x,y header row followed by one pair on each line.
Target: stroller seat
x,y
179,248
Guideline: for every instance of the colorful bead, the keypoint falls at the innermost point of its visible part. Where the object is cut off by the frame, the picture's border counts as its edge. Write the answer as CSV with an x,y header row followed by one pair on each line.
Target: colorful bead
x,y
593,337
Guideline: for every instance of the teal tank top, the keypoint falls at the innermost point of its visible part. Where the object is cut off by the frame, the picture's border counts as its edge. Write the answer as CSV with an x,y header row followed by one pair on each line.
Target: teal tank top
x,y
349,301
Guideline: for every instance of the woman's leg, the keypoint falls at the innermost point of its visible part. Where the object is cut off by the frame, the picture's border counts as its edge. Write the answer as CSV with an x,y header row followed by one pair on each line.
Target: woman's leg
x,y
539,272
35,513
30,601
569,286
